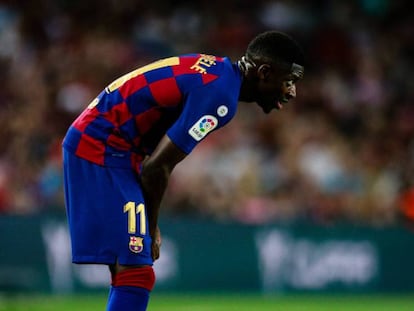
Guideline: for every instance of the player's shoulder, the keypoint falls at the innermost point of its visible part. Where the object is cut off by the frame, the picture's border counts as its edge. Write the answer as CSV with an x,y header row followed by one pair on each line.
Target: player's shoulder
x,y
214,74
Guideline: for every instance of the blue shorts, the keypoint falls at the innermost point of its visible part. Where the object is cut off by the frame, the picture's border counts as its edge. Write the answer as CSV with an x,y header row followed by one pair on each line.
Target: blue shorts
x,y
106,214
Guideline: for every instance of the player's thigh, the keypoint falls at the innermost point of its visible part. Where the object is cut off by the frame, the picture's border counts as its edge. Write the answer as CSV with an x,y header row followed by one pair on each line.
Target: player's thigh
x,y
106,214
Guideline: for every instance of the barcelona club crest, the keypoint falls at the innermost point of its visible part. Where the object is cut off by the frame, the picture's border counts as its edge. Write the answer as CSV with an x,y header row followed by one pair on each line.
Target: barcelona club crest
x,y
135,244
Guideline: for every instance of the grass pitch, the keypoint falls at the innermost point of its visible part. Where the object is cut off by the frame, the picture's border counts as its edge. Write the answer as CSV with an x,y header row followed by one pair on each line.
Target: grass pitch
x,y
210,302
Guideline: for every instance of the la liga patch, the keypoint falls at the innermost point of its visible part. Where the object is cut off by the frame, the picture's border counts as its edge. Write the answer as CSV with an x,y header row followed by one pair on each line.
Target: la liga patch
x,y
202,127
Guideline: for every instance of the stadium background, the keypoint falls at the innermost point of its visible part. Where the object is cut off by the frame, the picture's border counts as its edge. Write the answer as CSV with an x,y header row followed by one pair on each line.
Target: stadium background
x,y
322,191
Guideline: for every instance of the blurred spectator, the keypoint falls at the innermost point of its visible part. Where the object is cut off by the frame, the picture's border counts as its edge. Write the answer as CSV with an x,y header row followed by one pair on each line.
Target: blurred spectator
x,y
406,204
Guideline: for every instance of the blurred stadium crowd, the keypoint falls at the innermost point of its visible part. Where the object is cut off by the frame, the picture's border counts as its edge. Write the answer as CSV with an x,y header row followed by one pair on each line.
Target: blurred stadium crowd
x,y
343,151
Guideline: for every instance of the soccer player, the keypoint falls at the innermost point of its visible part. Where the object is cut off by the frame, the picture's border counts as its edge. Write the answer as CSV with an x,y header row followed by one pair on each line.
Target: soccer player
x,y
119,153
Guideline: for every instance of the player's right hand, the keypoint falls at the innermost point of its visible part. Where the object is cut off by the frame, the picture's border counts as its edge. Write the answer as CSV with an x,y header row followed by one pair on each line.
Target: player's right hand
x,y
156,244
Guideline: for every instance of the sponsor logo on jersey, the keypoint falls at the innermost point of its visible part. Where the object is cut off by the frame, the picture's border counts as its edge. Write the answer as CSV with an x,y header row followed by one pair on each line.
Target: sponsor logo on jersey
x,y
135,244
202,127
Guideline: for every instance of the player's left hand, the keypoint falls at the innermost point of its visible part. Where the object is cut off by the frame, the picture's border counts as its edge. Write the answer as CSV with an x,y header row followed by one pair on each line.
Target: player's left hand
x,y
156,244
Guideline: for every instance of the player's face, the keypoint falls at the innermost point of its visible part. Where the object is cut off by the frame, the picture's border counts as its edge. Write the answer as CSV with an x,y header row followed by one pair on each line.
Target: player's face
x,y
276,88
275,95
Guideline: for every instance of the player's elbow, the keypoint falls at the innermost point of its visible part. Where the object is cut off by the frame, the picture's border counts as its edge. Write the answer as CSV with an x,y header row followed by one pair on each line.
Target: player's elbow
x,y
155,172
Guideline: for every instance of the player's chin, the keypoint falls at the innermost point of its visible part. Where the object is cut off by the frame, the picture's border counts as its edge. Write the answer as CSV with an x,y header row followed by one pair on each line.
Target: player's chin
x,y
267,108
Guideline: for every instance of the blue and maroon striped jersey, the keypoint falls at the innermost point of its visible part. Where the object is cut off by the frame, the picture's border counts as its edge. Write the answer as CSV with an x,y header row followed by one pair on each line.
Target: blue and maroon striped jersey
x,y
185,97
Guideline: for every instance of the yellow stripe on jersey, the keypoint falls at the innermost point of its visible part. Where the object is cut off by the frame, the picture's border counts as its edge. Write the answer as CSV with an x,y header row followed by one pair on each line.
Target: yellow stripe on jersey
x,y
171,61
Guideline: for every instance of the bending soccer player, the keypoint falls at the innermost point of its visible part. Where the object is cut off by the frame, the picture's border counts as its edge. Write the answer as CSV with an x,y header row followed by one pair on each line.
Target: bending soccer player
x,y
119,153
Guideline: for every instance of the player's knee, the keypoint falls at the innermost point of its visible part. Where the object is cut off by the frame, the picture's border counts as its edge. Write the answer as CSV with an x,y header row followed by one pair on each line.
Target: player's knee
x,y
143,277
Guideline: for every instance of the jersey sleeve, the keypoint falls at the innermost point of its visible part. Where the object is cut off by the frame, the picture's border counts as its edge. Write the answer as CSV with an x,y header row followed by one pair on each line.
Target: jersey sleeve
x,y
206,109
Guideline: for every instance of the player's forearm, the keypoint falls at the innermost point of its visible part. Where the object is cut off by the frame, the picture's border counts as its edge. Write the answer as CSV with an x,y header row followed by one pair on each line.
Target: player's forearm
x,y
155,173
154,181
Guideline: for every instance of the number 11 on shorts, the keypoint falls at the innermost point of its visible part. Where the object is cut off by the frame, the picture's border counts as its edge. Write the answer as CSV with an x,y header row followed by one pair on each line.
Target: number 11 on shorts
x,y
132,211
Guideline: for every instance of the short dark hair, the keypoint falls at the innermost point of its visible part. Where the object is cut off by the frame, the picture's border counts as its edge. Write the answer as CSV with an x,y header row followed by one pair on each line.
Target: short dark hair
x,y
277,47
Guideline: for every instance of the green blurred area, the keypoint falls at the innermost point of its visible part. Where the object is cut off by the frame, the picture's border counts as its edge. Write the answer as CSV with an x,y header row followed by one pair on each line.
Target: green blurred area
x,y
207,257
212,302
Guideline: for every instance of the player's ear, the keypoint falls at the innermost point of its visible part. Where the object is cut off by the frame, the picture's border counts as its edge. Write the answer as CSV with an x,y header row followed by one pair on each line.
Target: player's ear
x,y
263,71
